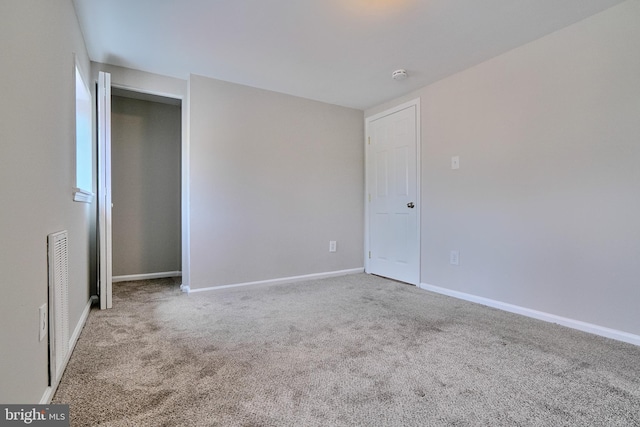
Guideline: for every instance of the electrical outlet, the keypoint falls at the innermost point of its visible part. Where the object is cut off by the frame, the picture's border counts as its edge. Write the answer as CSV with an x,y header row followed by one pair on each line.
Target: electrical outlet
x,y
332,246
454,258
43,320
455,162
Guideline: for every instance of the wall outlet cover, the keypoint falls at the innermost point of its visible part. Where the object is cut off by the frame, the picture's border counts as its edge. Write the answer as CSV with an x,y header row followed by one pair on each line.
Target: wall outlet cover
x,y
454,258
332,246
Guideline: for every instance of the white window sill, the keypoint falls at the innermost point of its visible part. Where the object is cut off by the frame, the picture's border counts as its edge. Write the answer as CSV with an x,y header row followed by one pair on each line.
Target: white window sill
x,y
84,196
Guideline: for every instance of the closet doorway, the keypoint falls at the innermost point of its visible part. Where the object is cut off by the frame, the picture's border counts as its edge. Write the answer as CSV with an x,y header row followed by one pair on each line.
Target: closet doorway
x,y
146,144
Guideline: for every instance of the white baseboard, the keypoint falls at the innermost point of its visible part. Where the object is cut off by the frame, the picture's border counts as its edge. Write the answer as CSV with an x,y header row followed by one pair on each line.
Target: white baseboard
x,y
280,281
50,391
147,276
47,396
540,315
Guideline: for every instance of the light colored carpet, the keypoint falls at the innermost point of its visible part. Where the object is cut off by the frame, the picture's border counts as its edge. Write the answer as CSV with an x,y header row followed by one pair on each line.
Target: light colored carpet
x,y
354,350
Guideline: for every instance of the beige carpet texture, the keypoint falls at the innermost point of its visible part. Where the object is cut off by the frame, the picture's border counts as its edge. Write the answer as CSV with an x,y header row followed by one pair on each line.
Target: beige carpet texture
x,y
356,350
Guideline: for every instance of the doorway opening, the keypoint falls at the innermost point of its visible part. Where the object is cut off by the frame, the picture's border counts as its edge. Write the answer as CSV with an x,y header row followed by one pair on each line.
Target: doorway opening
x,y
146,136
142,203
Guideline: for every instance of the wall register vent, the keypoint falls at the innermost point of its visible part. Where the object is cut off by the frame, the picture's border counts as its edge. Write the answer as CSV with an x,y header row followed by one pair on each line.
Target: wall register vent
x,y
58,304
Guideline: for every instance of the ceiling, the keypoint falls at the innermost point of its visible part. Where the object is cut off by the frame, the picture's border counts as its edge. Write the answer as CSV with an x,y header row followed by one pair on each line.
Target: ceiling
x,y
336,51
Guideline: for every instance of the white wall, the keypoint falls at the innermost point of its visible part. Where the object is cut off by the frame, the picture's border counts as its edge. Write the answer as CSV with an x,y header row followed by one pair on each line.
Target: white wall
x,y
141,81
273,178
37,134
321,200
145,164
544,208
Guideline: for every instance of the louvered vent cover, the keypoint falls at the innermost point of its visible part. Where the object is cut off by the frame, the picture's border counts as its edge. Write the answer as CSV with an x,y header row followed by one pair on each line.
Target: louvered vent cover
x,y
58,302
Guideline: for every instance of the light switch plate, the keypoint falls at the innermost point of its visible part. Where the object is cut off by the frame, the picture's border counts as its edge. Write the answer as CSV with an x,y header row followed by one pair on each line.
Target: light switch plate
x,y
455,162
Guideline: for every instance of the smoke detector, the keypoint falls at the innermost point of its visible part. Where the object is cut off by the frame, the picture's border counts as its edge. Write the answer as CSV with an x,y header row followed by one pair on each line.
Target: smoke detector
x,y
399,74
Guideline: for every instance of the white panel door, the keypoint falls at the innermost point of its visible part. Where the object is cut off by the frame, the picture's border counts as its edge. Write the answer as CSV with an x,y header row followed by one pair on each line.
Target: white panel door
x,y
393,205
104,188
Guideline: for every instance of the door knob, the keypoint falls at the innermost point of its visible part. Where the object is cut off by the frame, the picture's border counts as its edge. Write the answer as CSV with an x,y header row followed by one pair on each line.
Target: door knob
x,y
410,205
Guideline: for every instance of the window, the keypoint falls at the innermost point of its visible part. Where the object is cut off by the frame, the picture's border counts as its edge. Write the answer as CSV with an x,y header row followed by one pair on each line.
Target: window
x,y
84,158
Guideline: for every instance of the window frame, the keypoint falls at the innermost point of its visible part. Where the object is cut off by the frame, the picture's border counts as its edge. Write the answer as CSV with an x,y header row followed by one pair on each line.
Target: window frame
x,y
83,135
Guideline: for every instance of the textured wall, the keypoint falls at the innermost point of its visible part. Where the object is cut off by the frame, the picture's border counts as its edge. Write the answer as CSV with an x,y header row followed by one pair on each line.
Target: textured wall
x,y
544,208
37,165
273,179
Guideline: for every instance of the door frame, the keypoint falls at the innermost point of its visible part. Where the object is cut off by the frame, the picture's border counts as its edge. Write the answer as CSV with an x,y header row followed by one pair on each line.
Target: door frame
x,y
104,264
367,187
103,123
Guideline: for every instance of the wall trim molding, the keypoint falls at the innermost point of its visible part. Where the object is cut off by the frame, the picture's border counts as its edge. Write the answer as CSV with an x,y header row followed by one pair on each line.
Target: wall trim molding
x,y
50,391
291,279
146,276
540,315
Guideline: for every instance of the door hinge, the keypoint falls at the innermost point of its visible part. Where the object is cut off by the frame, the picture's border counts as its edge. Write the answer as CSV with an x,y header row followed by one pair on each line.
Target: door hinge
x,y
369,254
369,138
369,196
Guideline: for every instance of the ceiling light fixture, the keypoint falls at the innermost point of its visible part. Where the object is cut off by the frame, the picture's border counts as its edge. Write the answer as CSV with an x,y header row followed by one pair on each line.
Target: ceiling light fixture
x,y
399,74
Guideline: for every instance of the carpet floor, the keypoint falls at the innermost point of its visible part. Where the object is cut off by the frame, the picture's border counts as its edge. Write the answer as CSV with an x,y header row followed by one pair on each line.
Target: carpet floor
x,y
346,351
